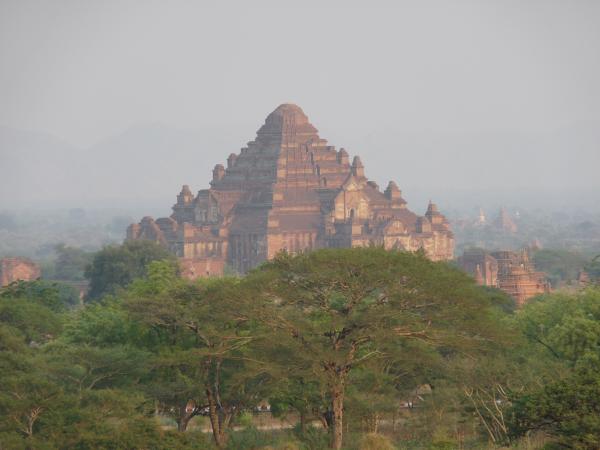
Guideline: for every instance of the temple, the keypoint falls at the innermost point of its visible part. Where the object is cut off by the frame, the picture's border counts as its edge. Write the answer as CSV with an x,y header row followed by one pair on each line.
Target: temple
x,y
289,190
18,269
505,223
512,272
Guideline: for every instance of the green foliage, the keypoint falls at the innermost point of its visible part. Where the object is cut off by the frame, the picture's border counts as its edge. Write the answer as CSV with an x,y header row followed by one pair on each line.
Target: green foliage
x,y
245,419
202,332
27,396
115,267
103,325
500,299
54,295
567,328
568,409
312,438
593,269
70,263
565,325
30,310
561,266
89,367
250,438
372,328
373,441
337,311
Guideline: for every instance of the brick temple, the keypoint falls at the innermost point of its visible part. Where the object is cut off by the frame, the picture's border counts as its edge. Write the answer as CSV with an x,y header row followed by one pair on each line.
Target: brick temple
x,y
18,269
289,190
512,272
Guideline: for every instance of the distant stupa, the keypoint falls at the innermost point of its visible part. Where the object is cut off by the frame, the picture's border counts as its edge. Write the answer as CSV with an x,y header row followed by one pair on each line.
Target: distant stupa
x,y
481,219
504,222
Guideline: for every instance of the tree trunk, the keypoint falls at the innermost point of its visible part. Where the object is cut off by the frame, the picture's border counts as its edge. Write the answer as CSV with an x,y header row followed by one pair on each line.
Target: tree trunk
x,y
337,402
183,421
215,422
302,422
186,412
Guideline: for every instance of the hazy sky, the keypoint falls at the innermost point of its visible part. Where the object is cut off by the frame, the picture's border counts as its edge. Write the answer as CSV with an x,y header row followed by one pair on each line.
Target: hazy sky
x,y
423,83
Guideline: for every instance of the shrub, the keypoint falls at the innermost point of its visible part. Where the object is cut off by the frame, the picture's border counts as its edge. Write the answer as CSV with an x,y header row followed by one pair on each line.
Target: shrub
x,y
374,441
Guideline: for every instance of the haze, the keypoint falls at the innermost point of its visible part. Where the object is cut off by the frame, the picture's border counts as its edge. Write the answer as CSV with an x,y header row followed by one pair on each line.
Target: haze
x,y
119,103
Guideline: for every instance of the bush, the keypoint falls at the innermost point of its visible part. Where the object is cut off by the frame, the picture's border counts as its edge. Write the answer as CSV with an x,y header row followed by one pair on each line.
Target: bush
x,y
442,441
245,420
313,438
251,438
374,441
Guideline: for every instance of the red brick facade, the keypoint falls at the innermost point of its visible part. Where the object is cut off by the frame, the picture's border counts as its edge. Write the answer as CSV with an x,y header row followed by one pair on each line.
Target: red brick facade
x,y
15,269
288,189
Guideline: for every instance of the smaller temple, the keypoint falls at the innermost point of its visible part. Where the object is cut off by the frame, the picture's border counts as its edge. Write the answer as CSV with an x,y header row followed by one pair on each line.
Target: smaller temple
x,y
481,265
583,278
504,222
512,272
18,269
481,219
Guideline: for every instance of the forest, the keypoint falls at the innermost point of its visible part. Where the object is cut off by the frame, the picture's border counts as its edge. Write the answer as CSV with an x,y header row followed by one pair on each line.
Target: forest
x,y
339,348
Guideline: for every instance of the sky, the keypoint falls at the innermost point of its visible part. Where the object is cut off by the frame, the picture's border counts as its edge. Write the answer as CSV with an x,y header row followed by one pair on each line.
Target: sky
x,y
462,96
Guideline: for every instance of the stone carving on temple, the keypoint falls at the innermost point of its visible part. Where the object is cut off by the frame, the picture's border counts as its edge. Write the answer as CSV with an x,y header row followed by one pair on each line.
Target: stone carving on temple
x,y
288,189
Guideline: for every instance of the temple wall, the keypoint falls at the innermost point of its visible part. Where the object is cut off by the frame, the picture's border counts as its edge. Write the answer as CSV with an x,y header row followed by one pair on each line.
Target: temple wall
x,y
201,267
15,269
288,189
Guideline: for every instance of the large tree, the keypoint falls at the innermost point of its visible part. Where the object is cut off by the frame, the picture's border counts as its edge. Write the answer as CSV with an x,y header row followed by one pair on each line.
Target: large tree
x,y
115,267
565,328
202,335
70,263
338,309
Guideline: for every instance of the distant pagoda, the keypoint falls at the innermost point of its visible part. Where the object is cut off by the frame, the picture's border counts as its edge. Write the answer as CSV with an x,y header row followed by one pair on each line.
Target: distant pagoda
x,y
289,190
504,222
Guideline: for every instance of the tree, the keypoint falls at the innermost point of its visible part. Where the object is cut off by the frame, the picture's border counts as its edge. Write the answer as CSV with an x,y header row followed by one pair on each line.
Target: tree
x,y
203,332
593,269
54,295
73,378
33,309
26,395
560,265
27,320
70,263
566,329
568,409
115,267
500,299
338,309
293,392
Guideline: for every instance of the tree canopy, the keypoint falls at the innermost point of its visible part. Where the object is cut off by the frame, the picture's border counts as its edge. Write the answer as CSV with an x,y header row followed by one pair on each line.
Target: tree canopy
x,y
115,267
362,342
566,328
336,310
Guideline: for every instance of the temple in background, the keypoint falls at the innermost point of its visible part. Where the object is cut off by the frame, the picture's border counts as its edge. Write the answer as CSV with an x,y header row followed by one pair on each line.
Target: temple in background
x,y
289,190
512,272
18,269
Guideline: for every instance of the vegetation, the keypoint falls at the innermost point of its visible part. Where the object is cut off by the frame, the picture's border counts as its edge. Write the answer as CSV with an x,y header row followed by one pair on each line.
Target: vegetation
x,y
577,233
340,311
567,329
354,349
114,267
562,266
